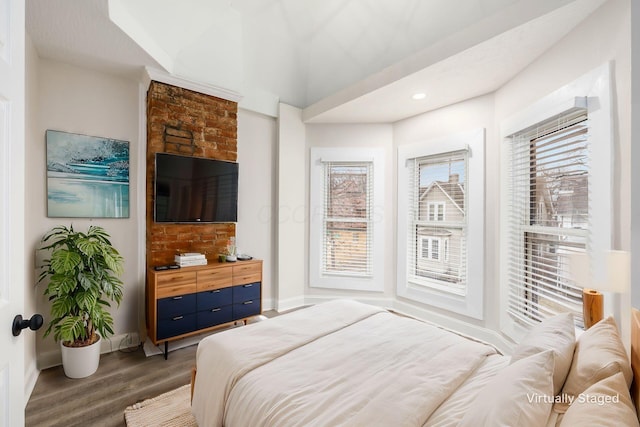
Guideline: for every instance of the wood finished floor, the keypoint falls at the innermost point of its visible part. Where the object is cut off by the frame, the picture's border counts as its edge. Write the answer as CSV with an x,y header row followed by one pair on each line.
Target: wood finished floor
x,y
122,379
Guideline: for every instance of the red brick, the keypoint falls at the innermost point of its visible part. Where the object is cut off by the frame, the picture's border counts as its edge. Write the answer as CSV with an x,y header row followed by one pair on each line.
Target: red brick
x,y
213,123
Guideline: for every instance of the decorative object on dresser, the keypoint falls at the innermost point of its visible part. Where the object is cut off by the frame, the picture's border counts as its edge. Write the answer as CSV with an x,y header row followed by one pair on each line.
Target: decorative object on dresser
x,y
192,300
83,272
190,259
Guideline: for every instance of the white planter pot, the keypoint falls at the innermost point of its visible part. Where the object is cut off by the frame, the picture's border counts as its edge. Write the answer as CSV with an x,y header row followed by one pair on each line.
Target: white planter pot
x,y
80,362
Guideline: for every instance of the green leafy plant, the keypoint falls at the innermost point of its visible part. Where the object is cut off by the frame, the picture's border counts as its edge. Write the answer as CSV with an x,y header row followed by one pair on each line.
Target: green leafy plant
x,y
83,273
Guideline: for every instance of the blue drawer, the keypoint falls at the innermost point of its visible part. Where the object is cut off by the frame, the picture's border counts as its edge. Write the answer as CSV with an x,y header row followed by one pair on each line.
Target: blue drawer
x,y
177,325
171,307
214,316
242,293
213,299
246,309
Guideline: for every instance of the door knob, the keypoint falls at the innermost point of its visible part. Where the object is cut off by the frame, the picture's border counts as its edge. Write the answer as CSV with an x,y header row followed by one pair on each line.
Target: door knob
x,y
19,324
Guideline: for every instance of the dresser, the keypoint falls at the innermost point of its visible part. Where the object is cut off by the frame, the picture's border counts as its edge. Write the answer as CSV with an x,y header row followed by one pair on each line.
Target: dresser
x,y
192,300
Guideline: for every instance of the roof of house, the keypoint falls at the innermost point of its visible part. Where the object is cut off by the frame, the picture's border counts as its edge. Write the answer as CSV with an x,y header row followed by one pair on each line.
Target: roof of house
x,y
454,190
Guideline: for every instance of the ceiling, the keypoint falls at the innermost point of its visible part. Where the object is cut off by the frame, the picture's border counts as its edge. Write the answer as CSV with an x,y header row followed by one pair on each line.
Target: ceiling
x,y
338,60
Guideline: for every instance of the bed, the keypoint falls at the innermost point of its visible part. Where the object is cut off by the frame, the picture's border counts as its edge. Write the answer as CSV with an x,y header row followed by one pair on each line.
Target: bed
x,y
344,363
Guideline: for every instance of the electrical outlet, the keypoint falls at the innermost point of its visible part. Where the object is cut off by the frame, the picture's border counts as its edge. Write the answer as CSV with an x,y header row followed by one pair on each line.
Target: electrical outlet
x,y
38,259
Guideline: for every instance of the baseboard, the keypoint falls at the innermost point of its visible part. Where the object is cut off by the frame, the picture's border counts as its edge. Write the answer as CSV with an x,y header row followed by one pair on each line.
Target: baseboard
x,y
53,358
119,342
268,304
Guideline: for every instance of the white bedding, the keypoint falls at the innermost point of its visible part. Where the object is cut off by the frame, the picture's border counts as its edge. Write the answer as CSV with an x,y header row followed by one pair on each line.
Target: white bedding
x,y
338,363
452,410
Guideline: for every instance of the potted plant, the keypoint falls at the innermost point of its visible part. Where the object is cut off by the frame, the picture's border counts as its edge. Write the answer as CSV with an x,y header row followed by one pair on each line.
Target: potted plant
x,y
83,272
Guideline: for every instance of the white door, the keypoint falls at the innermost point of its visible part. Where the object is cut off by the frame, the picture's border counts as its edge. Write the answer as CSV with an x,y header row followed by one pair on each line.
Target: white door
x,y
12,254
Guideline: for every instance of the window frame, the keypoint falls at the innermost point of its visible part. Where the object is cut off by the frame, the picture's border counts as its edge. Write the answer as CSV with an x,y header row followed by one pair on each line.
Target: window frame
x,y
468,302
593,91
319,157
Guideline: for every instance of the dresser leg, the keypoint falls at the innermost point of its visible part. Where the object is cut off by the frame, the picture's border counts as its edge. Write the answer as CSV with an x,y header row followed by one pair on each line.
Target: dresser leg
x,y
166,350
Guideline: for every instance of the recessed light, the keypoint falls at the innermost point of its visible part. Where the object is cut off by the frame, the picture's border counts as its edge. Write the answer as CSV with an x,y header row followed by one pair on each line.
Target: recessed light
x,y
419,96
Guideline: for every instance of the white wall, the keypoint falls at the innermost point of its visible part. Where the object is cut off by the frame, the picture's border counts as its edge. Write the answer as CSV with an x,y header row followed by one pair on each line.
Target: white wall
x,y
255,231
291,222
78,100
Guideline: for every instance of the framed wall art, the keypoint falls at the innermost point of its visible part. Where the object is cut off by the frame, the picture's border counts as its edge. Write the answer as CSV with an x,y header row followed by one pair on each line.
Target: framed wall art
x,y
87,176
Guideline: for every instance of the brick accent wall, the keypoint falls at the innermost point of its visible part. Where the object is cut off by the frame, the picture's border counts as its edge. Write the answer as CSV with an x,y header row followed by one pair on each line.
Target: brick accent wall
x,y
185,122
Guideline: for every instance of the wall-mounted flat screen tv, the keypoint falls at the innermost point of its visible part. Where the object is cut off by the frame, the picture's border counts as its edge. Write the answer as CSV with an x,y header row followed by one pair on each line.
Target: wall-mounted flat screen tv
x,y
194,189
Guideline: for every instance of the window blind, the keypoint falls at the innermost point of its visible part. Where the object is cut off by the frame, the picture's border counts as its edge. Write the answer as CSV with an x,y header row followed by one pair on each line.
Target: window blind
x,y
438,223
548,197
347,218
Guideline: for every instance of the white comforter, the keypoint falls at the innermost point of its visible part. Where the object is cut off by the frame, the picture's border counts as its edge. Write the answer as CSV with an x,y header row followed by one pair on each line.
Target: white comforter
x,y
338,363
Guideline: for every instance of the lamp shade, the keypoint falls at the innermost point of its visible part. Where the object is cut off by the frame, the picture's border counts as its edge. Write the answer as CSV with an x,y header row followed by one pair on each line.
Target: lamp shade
x,y
611,274
618,272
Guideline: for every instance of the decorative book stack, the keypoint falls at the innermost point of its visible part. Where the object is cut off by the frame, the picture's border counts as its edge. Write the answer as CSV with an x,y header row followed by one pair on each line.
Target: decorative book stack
x,y
190,259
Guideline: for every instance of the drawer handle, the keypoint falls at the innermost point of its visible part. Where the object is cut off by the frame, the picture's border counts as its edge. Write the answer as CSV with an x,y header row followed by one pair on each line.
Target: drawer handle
x,y
247,302
217,291
215,309
248,286
178,318
176,298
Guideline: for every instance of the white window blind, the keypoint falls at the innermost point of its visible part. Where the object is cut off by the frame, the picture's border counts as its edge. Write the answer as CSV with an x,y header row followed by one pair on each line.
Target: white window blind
x,y
437,242
347,218
548,205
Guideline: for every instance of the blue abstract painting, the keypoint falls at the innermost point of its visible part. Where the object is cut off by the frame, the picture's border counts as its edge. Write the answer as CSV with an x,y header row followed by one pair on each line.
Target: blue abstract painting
x,y
87,176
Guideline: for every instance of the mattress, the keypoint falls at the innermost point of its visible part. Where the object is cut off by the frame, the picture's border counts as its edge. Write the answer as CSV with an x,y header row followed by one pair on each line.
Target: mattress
x,y
339,363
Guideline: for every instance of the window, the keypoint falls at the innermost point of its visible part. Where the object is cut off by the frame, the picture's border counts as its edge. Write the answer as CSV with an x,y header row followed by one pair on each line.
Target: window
x,y
549,208
557,198
346,229
436,211
430,249
347,218
440,217
438,183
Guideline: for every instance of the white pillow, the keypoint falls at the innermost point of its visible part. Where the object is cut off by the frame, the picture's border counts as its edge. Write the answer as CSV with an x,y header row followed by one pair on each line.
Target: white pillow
x,y
519,395
599,354
605,404
557,334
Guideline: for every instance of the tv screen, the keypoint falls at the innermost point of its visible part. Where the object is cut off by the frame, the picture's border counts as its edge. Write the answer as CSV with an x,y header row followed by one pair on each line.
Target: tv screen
x,y
194,189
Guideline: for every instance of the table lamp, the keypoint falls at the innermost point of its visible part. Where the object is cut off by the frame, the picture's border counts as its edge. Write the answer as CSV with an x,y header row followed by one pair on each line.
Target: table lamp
x,y
612,276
